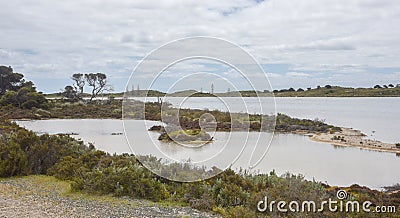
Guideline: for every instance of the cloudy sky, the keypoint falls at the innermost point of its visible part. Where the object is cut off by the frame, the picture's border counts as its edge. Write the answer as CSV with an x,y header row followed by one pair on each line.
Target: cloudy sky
x,y
299,43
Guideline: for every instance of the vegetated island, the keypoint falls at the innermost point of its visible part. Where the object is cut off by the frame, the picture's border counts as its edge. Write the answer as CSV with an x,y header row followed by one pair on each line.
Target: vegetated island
x,y
192,136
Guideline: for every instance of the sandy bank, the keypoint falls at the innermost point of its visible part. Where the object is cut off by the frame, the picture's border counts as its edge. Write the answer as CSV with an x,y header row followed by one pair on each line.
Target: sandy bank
x,y
353,138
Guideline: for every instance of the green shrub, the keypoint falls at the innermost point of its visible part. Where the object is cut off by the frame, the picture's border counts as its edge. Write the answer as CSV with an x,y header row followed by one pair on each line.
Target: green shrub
x,y
239,211
13,160
9,98
25,98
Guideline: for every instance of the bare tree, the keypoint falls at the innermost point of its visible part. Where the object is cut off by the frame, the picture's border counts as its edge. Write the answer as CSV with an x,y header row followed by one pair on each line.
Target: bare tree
x,y
98,82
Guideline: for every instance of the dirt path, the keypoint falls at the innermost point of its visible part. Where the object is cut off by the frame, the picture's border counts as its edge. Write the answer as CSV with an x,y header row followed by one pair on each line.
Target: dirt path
x,y
43,196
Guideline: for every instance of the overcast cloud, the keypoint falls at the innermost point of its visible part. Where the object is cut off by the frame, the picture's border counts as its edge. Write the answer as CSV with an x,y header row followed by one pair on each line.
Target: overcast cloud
x,y
299,43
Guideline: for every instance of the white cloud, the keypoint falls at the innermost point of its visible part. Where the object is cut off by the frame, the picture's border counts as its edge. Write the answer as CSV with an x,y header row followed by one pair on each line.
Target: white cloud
x,y
4,54
273,75
328,45
297,74
56,38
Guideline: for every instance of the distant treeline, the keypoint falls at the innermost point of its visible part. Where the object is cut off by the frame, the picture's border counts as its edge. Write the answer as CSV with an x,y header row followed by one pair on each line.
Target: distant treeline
x,y
389,90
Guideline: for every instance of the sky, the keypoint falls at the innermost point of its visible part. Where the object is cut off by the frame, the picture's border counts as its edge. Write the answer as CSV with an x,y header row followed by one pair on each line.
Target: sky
x,y
298,43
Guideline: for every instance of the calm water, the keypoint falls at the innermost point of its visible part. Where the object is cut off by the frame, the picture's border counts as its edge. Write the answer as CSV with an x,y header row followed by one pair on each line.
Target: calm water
x,y
379,118
288,153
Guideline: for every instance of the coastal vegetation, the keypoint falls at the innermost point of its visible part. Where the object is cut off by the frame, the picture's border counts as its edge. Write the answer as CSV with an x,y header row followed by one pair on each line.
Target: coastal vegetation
x,y
91,171
62,110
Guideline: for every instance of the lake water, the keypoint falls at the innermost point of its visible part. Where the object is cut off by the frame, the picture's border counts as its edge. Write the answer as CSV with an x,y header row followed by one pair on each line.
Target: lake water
x,y
287,153
379,118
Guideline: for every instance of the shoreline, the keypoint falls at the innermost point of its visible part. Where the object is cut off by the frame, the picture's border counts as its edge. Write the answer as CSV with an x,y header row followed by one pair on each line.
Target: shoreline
x,y
349,137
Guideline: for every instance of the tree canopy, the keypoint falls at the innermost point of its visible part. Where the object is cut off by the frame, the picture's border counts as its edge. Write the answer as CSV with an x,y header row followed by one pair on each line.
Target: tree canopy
x,y
14,90
96,81
10,81
79,80
71,94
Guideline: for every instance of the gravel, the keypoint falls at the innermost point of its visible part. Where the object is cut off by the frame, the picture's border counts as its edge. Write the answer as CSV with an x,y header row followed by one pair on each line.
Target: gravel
x,y
23,197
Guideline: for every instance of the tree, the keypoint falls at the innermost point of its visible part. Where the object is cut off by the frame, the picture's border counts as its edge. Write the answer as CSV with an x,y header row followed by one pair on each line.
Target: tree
x,y
22,96
25,97
291,90
9,81
300,90
391,85
79,80
14,90
71,94
98,82
377,87
9,98
328,86
385,86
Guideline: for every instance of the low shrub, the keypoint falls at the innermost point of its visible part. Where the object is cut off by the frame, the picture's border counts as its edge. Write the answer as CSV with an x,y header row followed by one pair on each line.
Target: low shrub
x,y
232,194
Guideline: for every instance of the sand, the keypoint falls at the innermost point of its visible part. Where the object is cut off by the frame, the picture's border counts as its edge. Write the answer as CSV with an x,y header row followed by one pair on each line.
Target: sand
x,y
353,138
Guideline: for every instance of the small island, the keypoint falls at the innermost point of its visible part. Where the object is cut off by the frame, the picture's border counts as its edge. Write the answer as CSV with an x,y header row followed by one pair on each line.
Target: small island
x,y
186,136
175,134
